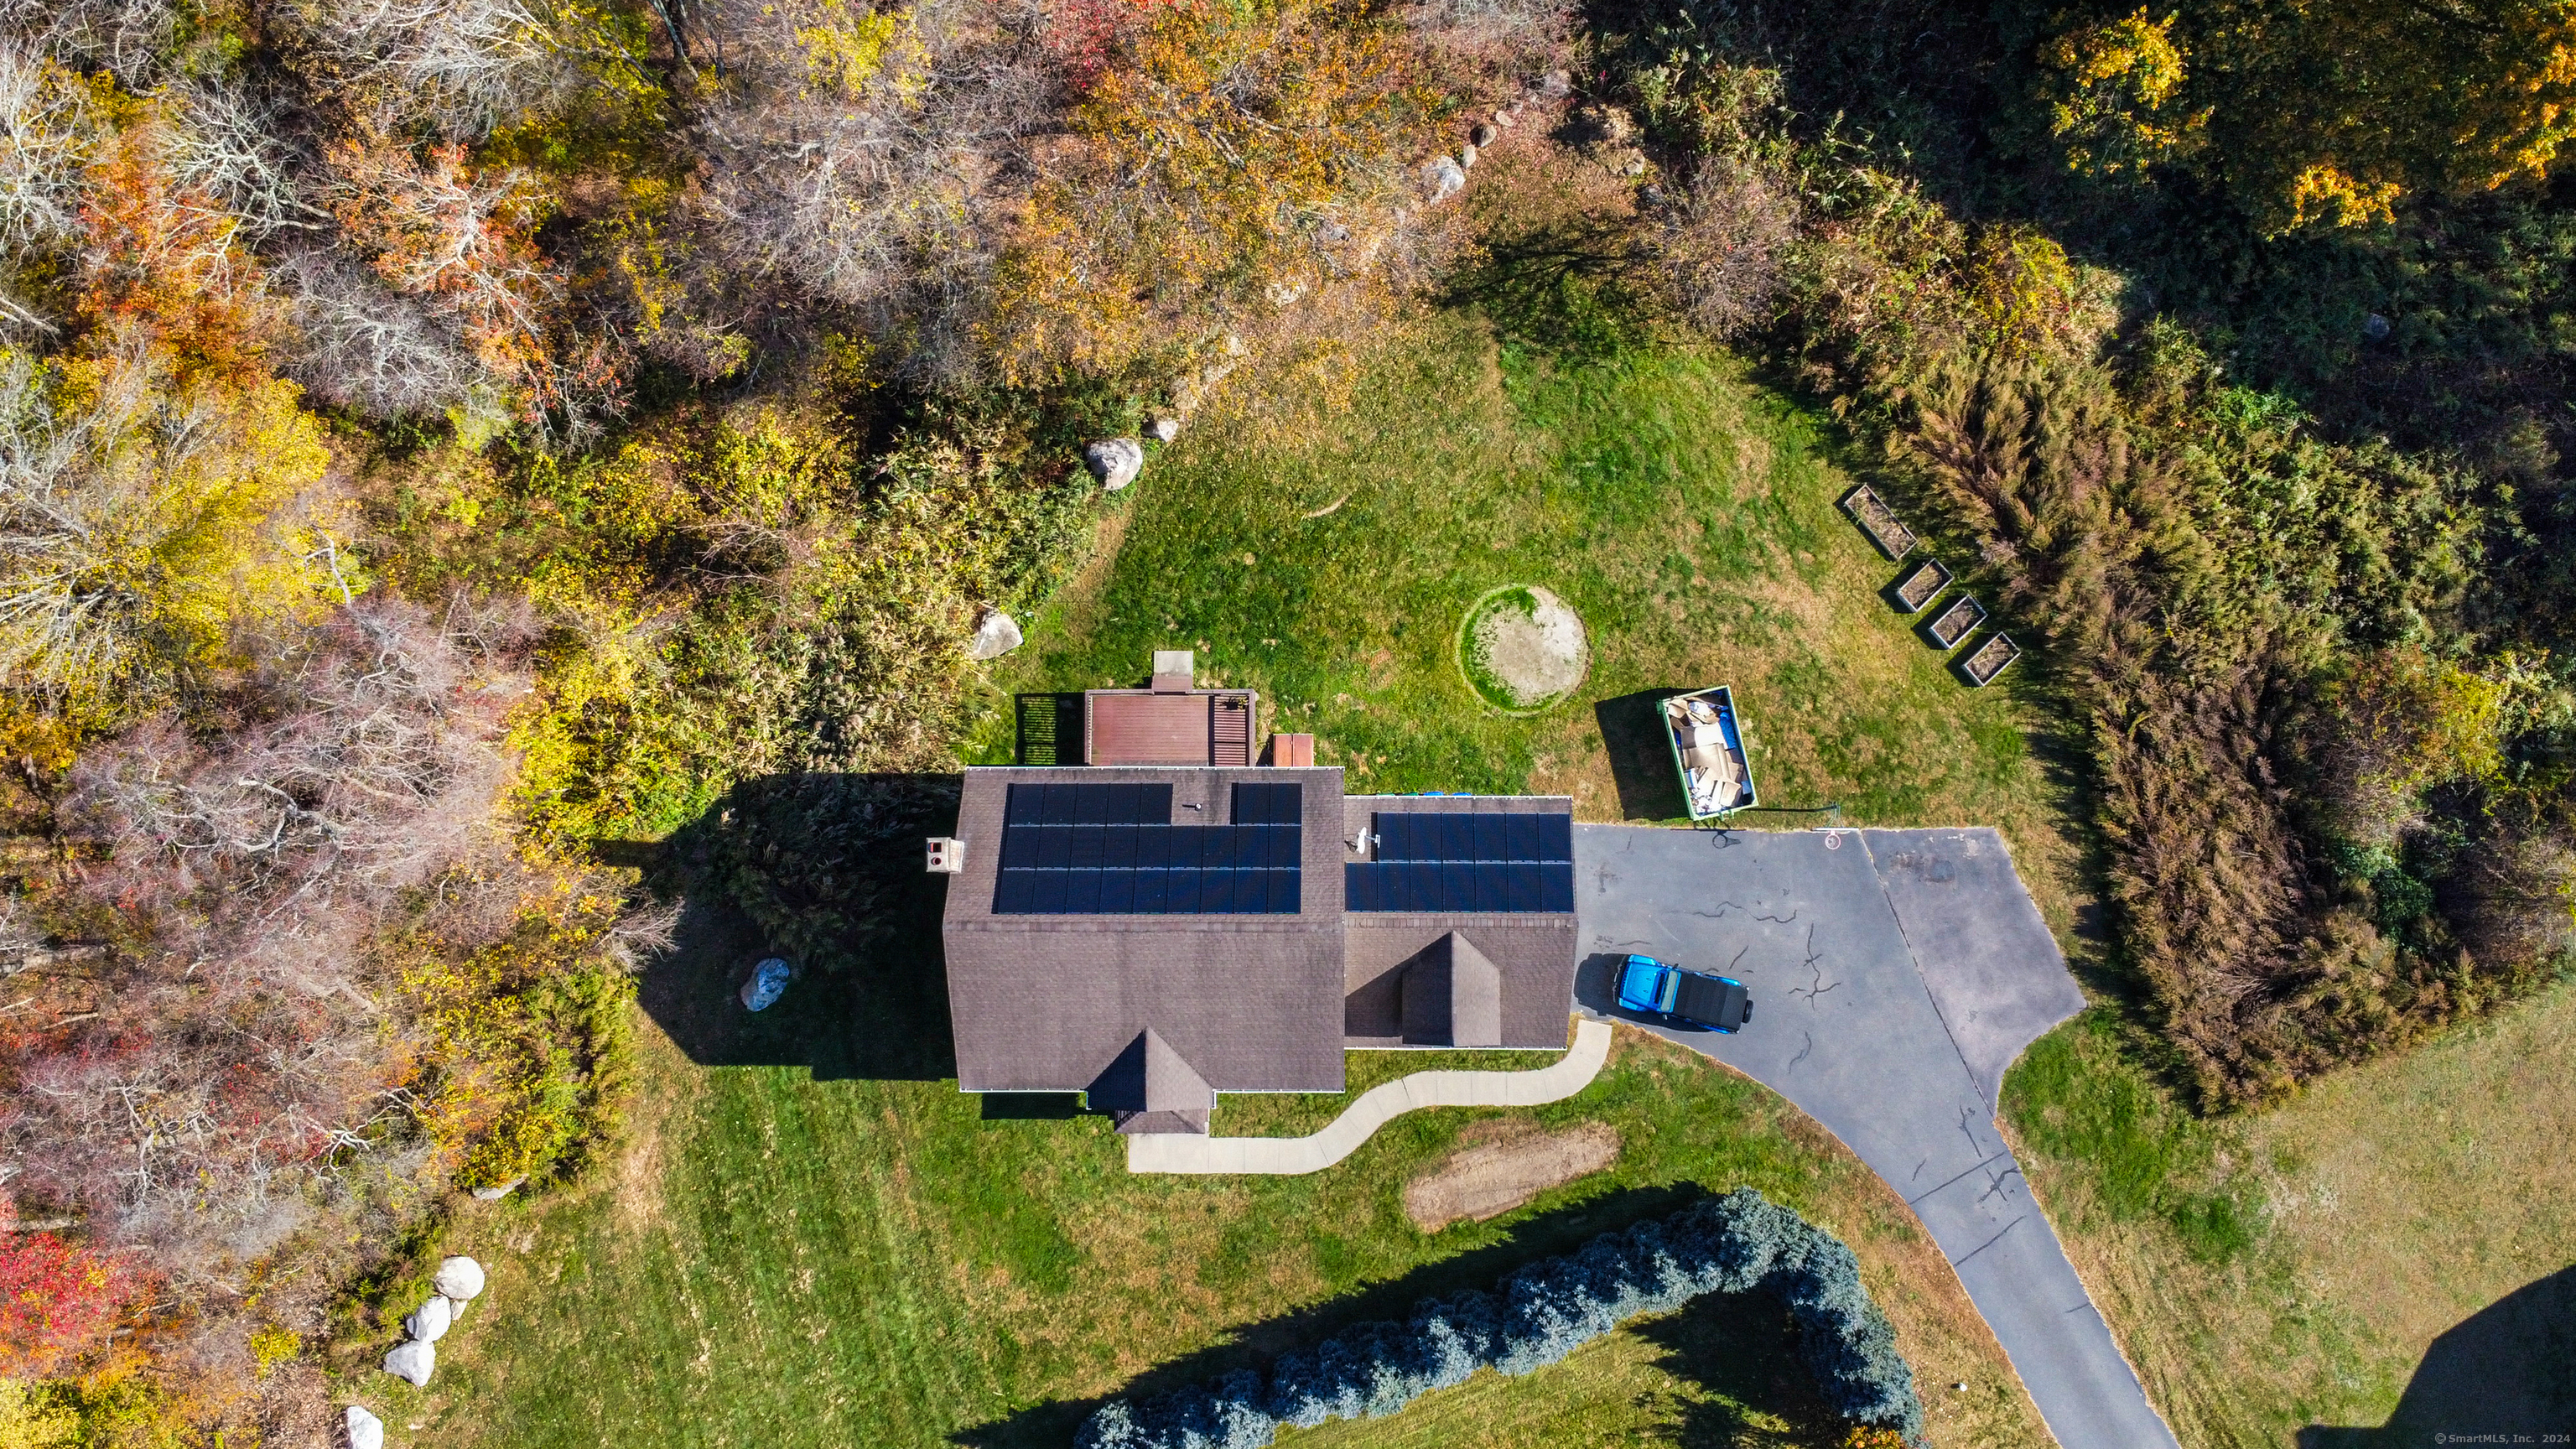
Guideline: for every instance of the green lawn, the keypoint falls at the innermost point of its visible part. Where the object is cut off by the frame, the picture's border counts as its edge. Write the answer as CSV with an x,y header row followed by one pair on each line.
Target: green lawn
x,y
789,1261
1327,558
2292,1269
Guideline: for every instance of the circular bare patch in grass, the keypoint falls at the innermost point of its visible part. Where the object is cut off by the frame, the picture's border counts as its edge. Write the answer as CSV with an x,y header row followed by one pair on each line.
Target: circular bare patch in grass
x,y
1522,648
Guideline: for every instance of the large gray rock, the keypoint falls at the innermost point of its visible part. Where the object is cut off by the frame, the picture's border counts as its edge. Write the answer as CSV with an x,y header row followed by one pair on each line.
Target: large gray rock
x,y
998,635
413,1363
460,1279
366,1431
1443,177
1114,461
428,1323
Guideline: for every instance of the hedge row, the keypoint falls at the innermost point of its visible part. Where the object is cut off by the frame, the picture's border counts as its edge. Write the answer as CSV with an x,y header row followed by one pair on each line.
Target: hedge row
x,y
1545,1311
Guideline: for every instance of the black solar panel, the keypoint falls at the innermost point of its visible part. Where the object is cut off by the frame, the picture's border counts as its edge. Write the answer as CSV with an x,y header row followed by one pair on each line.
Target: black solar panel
x,y
1111,850
1451,861
1269,804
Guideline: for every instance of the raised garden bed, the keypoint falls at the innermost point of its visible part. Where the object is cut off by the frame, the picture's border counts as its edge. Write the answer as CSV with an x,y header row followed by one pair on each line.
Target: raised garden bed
x,y
1878,521
1990,659
1929,577
1958,621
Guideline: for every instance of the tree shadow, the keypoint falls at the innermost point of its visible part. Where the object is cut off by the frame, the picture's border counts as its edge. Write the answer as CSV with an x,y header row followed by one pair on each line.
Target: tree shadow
x,y
831,868
1740,1351
1256,1345
1641,761
2507,1371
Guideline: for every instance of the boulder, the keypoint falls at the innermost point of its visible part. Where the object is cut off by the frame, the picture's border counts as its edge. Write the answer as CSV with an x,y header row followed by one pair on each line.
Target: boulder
x,y
1467,155
1115,461
1442,177
495,1194
996,636
428,1323
1504,118
769,979
412,1362
458,1280
1162,430
1483,134
366,1431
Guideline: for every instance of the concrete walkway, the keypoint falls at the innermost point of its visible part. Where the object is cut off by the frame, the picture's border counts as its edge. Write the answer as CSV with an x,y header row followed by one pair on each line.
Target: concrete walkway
x,y
1895,975
1188,1152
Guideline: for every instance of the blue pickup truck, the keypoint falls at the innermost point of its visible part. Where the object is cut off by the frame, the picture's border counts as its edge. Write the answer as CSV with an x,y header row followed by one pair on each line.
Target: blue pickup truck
x,y
1693,998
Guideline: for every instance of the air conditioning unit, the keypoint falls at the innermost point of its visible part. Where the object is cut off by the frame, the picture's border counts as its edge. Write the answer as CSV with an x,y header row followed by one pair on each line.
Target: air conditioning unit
x,y
947,855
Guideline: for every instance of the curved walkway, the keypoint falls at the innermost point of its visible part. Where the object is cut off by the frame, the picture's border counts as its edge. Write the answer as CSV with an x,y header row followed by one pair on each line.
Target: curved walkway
x,y
1188,1152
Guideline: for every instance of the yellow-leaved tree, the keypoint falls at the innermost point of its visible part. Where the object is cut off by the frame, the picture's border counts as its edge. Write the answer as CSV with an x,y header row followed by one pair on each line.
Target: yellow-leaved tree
x,y
2322,112
1226,153
143,514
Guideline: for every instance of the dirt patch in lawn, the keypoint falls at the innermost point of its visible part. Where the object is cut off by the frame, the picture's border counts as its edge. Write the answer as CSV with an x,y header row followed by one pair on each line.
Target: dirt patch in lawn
x,y
1509,1167
1524,648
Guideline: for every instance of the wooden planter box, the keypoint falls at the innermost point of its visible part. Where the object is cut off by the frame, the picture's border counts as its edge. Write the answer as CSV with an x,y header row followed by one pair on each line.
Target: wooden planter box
x,y
1958,621
1990,660
1929,578
1878,520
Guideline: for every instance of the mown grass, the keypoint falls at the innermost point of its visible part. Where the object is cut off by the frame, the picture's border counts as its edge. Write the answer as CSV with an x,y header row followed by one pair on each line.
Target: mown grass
x,y
786,1261
1326,557
2290,1269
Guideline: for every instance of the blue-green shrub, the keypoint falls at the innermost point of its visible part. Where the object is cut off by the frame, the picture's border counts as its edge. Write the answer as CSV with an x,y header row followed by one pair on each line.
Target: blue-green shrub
x,y
1545,1311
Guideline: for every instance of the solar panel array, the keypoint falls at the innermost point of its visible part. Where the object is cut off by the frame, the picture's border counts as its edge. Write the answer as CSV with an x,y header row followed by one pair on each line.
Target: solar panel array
x,y
1111,850
1465,861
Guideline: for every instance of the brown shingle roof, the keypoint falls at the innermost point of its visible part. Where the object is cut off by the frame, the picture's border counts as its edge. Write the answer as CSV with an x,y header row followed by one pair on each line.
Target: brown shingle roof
x,y
1252,1003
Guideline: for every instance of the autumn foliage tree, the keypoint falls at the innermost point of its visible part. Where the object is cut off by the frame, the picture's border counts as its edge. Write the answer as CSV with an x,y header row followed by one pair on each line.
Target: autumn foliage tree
x,y
1228,159
56,1297
2326,113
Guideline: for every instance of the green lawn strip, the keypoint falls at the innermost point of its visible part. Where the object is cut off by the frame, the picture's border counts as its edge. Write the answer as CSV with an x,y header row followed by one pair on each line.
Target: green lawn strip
x,y
1686,514
871,1262
2290,1269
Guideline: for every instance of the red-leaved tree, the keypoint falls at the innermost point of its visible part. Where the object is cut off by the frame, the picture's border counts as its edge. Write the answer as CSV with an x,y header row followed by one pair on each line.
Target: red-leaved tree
x,y
56,1298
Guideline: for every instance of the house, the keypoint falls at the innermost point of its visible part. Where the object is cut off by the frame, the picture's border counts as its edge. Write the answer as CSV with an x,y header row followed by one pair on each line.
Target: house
x,y
1153,932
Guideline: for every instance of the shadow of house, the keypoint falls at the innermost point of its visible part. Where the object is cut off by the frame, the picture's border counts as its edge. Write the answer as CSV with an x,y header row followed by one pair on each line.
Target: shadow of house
x,y
1256,1345
1640,754
2508,1370
826,871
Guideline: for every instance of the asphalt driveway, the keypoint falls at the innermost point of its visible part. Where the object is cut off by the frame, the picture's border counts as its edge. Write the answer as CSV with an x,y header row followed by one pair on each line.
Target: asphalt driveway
x,y
1895,975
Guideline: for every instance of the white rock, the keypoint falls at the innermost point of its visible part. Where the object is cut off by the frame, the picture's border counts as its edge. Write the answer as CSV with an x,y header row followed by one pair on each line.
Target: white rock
x,y
1555,83
495,1194
412,1362
998,635
428,1323
1442,176
769,979
1467,154
458,1279
1163,430
366,1431
1115,461
1482,135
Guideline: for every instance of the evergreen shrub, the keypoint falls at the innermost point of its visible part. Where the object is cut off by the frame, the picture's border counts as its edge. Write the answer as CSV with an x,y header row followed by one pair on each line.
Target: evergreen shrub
x,y
1546,1310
